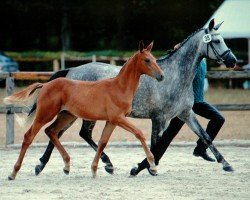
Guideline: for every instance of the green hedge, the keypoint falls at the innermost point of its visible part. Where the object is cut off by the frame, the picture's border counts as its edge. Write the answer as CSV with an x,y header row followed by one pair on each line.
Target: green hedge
x,y
49,55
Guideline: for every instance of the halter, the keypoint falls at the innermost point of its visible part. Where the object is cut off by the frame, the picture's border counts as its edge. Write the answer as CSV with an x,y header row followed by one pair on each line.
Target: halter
x,y
209,41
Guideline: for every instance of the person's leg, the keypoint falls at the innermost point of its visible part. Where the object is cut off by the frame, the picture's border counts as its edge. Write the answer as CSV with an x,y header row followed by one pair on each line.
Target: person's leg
x,y
214,125
161,145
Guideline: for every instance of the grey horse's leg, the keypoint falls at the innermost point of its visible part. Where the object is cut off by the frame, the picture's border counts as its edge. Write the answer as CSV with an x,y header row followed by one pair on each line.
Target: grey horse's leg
x,y
193,123
86,134
157,126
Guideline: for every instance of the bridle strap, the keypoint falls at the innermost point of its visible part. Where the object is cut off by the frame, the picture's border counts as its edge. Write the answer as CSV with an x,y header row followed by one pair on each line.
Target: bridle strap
x,y
220,58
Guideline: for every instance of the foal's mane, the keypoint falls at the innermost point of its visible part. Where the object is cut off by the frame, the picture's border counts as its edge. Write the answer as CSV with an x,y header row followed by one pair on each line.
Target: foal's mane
x,y
173,51
130,58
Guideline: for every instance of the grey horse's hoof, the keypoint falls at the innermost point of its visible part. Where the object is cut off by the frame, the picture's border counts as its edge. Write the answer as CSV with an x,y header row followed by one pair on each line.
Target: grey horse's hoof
x,y
109,168
66,171
228,168
134,171
39,169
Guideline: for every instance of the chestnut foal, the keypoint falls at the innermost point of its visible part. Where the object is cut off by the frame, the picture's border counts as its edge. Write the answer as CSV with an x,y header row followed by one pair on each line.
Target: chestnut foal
x,y
109,100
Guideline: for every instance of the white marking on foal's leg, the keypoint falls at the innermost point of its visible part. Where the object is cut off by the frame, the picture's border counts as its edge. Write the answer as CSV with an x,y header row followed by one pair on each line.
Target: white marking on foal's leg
x,y
94,170
66,168
12,176
94,174
152,165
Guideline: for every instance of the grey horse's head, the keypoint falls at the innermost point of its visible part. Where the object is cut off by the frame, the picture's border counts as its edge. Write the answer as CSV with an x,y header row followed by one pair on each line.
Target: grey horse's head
x,y
215,47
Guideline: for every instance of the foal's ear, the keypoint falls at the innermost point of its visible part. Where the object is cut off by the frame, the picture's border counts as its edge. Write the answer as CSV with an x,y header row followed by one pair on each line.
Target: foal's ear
x,y
141,46
150,46
211,25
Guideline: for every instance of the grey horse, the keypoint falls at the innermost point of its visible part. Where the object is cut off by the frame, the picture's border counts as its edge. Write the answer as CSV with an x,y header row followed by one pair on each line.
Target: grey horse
x,y
160,102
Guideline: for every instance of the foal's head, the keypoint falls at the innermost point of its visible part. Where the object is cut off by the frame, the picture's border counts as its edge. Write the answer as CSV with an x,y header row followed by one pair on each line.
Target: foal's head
x,y
146,62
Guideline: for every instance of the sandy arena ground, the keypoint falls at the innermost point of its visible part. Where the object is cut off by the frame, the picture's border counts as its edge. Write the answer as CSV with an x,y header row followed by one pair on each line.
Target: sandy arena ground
x,y
181,176
236,127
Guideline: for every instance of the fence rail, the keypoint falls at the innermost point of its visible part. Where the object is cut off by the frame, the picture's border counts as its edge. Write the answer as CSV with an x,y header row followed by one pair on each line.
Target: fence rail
x,y
228,74
46,75
10,110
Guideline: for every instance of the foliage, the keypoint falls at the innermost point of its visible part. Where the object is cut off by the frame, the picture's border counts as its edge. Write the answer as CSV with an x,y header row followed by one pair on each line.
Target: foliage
x,y
49,55
53,25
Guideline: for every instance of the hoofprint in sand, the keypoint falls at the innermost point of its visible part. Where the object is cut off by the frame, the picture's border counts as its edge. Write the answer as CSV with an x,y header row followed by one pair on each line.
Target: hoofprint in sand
x,y
181,175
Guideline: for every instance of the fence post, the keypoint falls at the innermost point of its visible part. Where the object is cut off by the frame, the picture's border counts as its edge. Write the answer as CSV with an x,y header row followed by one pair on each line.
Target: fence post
x,y
56,65
63,61
9,115
112,61
93,58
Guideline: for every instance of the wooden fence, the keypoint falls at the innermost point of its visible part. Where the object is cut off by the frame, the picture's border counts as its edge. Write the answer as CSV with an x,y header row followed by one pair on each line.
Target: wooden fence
x,y
60,63
10,110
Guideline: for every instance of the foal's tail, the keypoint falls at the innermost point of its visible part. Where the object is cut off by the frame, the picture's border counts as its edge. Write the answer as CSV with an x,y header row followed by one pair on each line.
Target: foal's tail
x,y
23,95
61,73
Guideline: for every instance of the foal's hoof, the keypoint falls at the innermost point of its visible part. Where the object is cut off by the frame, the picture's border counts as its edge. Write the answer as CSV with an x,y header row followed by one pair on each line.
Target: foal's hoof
x,y
94,174
11,178
109,168
66,171
152,172
228,168
39,169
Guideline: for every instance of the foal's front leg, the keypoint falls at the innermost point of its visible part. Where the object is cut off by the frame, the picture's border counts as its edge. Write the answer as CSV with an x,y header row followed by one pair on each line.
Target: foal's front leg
x,y
86,134
127,125
193,123
106,133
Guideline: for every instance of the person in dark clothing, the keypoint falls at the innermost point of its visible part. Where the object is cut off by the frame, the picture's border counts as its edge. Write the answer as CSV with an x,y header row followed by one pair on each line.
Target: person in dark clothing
x,y
201,108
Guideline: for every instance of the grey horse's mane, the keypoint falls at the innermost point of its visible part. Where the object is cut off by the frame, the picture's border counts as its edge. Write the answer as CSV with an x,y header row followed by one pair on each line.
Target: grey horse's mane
x,y
173,51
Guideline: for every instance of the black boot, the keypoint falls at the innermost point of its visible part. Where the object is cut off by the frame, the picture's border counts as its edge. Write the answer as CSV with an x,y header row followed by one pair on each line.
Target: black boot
x,y
202,152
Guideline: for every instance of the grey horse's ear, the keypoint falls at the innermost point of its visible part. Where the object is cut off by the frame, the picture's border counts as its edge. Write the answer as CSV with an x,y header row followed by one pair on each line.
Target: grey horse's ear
x,y
150,46
211,25
218,26
141,45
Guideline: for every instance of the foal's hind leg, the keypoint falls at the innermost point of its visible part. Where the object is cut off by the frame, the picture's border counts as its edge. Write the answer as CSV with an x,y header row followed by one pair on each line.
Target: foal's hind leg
x,y
106,133
46,156
60,124
63,119
124,123
28,138
193,123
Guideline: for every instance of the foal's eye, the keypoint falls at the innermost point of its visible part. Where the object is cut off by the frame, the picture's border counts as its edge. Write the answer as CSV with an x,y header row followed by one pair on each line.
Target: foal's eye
x,y
147,60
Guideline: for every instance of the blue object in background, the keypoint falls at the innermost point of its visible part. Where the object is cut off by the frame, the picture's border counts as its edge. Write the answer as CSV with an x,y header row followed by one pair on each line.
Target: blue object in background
x,y
246,84
7,64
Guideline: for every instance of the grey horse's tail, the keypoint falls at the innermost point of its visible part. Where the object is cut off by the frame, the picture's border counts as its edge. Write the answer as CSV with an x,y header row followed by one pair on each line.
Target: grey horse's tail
x,y
61,73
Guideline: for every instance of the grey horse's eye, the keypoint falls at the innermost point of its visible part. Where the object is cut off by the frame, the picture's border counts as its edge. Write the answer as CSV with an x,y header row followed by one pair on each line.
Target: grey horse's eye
x,y
216,41
147,60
